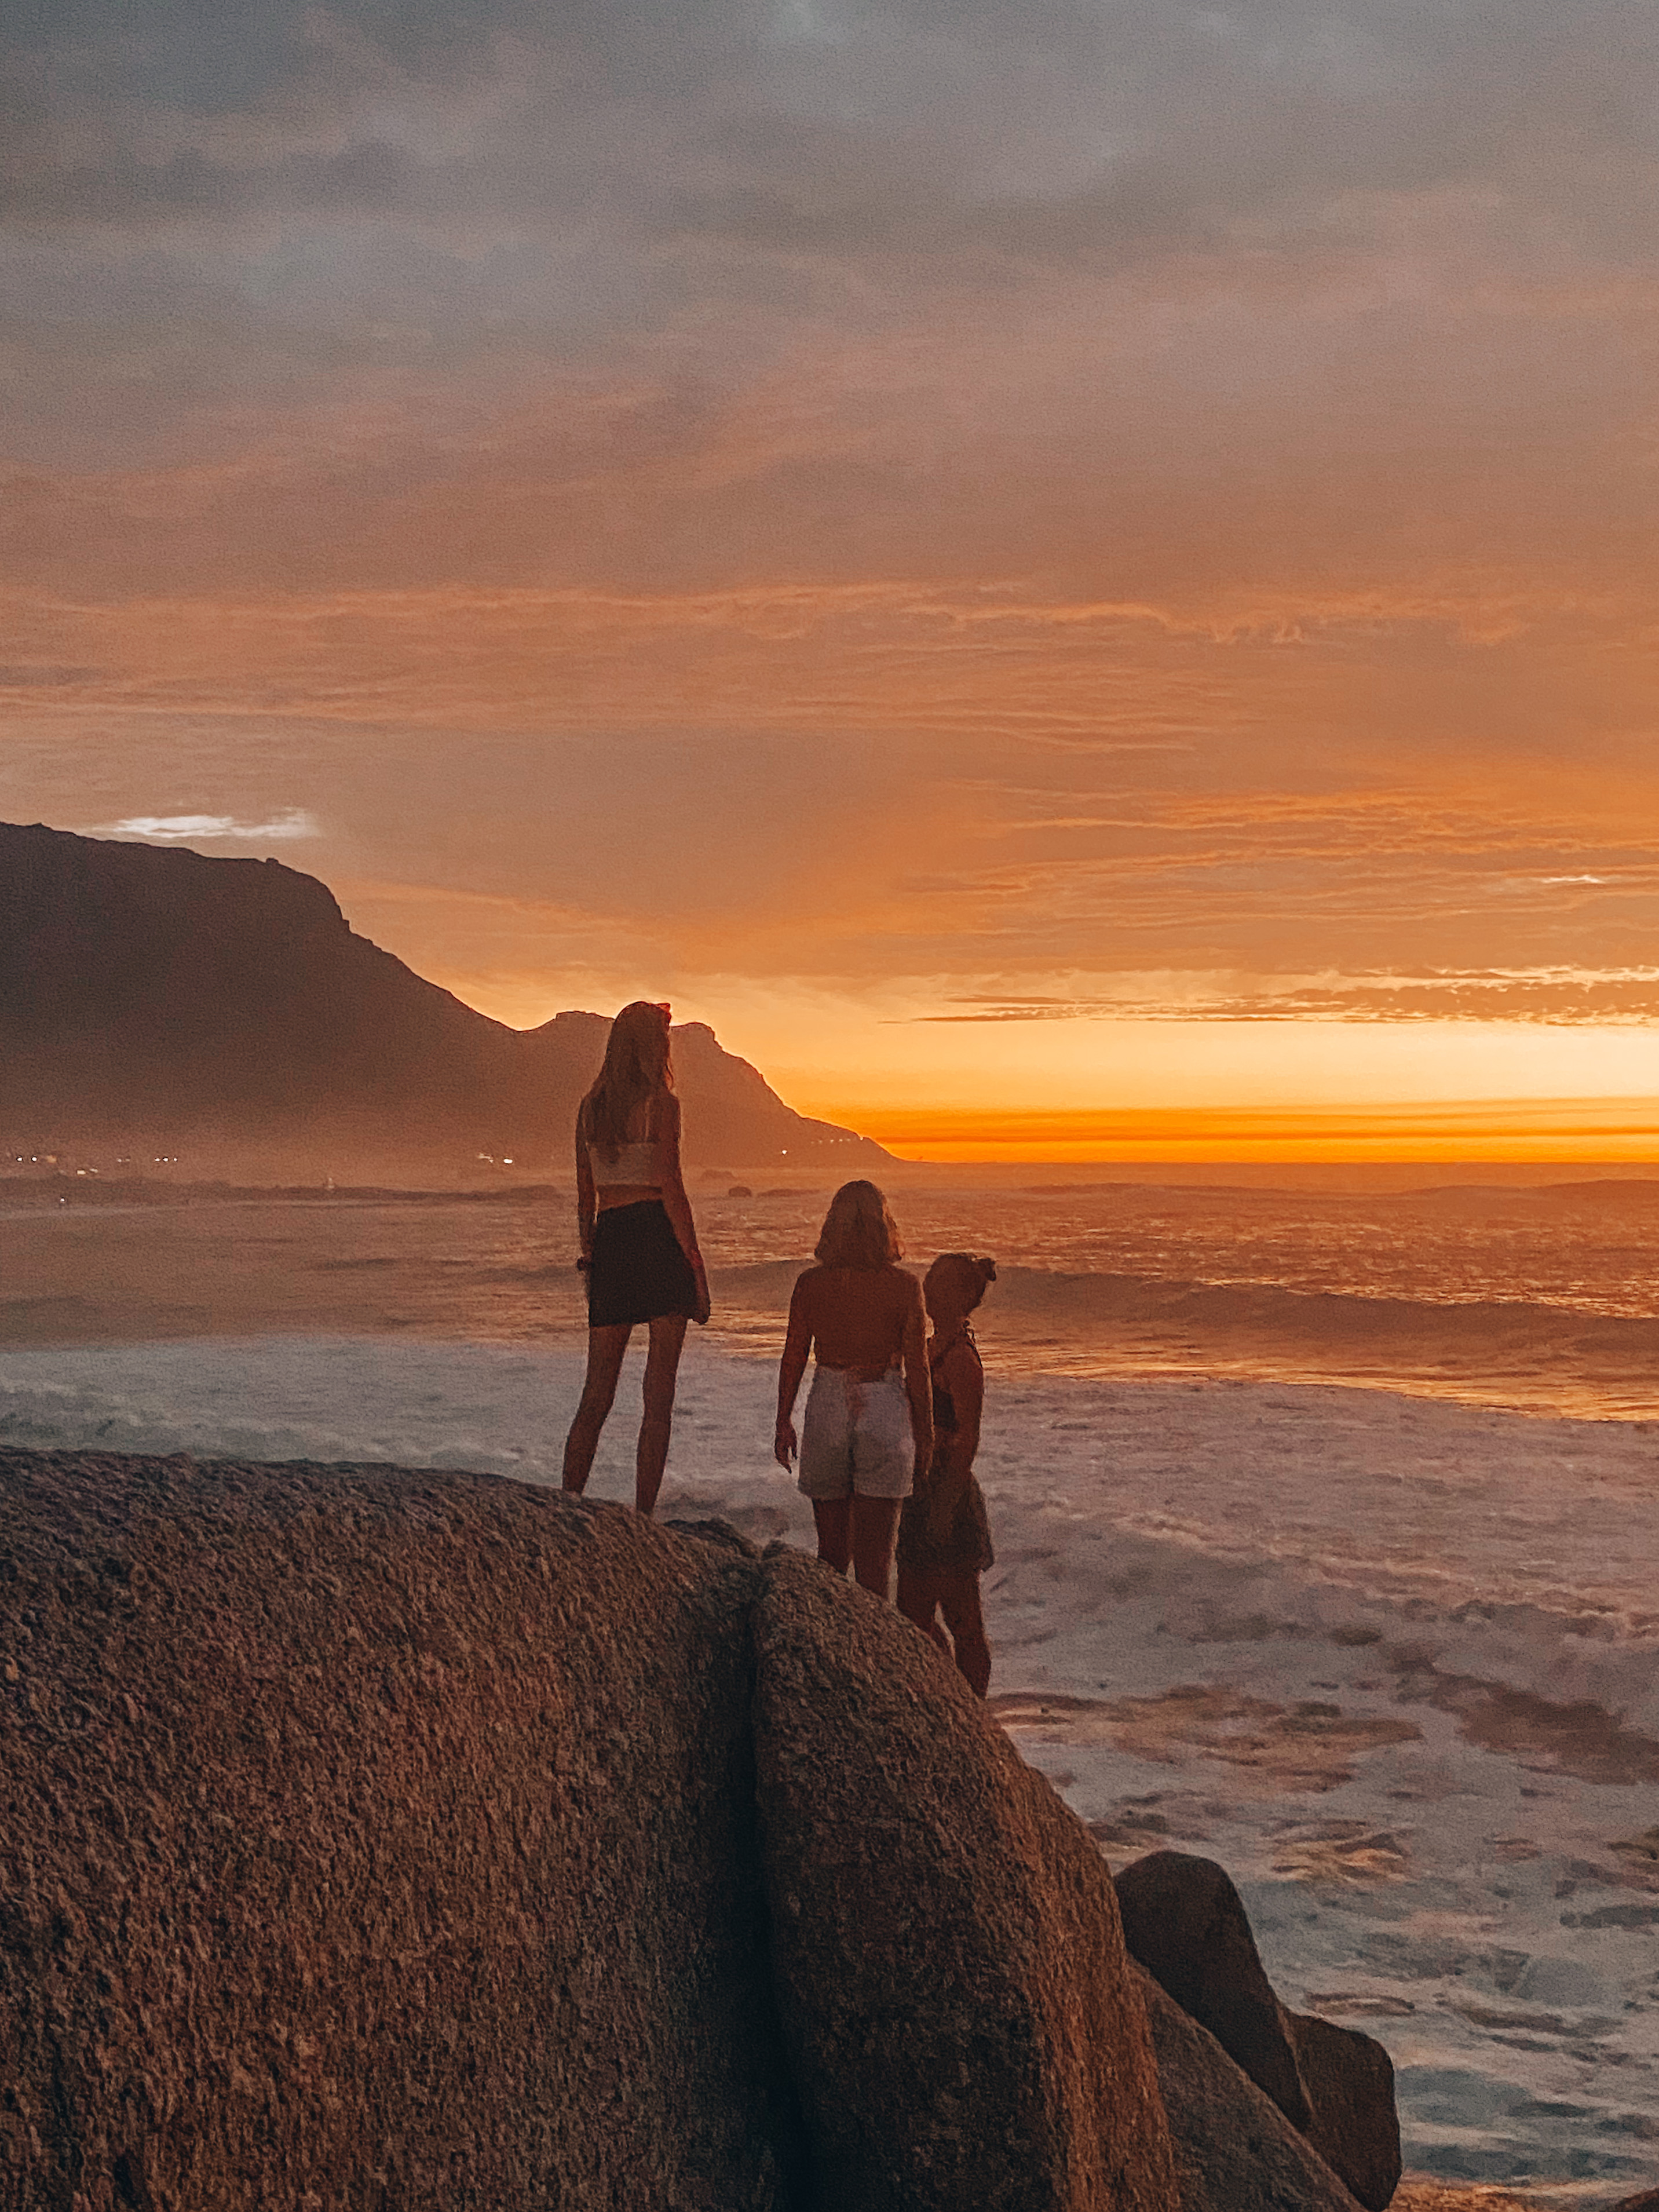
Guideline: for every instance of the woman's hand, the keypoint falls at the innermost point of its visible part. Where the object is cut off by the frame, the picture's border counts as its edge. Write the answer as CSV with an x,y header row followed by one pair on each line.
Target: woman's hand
x,y
785,1446
701,1311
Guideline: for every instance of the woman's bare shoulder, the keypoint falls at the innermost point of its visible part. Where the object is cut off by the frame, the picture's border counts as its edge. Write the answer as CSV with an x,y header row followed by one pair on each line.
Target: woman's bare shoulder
x,y
659,1121
961,1358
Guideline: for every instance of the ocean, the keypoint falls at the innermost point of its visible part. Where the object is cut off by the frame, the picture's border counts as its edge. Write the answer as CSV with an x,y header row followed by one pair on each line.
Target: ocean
x,y
1326,1525
1542,1296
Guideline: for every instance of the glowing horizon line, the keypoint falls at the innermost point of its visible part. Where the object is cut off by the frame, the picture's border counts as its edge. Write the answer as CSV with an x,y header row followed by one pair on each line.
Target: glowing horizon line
x,y
1539,1131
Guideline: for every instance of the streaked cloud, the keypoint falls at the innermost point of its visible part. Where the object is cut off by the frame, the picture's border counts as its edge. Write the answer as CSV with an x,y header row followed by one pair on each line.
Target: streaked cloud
x,y
26,678
1565,997
210,828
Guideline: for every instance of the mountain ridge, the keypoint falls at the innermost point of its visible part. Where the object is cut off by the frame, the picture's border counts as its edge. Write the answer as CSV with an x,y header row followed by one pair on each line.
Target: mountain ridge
x,y
154,996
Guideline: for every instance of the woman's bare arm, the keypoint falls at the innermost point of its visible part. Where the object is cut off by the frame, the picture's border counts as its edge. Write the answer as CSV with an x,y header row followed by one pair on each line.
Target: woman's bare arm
x,y
797,1345
964,1379
586,1200
665,1159
918,1382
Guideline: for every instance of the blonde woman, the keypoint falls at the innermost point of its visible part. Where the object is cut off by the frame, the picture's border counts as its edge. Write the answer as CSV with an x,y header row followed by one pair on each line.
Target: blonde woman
x,y
869,1418
639,1243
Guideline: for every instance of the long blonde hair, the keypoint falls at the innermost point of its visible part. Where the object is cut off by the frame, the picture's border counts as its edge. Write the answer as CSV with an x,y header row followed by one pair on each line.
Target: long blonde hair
x,y
858,1230
636,1072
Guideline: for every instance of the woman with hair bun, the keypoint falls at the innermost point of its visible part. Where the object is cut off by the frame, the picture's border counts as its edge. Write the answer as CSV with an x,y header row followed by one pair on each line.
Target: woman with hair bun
x,y
945,1539
639,1243
869,1419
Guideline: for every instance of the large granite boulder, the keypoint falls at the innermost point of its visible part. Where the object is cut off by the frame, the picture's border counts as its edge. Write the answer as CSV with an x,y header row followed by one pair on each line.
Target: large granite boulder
x,y
959,2012
1235,2150
1186,1923
376,1839
406,1841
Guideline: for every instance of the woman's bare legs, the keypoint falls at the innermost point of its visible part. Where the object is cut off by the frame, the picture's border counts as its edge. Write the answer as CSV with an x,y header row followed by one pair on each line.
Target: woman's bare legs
x,y
833,1519
605,1347
958,1598
662,1363
918,1600
875,1532
860,1531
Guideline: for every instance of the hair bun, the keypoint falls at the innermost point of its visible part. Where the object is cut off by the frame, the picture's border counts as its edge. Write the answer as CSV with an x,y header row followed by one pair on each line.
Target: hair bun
x,y
986,1270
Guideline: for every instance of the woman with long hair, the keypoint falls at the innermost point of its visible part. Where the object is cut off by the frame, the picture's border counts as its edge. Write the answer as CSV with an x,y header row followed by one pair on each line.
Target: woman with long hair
x,y
945,1539
639,1243
869,1418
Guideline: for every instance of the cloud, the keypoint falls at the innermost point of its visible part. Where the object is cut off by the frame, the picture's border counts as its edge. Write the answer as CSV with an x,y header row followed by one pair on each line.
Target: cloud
x,y
208,828
983,489
870,778
26,676
1063,132
1559,997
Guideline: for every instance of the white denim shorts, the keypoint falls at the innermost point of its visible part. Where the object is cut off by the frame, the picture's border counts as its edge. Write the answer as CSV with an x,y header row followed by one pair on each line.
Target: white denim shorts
x,y
856,1437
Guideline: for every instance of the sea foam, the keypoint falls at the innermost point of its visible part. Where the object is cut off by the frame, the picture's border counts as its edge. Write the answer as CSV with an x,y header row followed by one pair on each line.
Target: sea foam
x,y
1391,1660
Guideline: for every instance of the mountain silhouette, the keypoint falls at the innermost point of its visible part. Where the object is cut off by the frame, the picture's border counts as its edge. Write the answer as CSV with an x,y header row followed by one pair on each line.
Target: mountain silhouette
x,y
154,999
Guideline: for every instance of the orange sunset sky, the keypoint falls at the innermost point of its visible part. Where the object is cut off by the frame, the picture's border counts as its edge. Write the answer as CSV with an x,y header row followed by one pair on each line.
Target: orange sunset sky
x,y
1078,579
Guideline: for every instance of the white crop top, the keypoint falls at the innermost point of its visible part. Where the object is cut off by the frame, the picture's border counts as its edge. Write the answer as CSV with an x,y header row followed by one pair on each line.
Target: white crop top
x,y
634,1164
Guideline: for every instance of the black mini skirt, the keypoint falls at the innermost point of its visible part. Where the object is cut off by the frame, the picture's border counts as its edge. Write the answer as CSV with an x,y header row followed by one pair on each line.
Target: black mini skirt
x,y
965,1549
639,1272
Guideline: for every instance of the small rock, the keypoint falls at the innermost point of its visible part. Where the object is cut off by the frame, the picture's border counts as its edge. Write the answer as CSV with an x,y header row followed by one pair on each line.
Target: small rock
x,y
1186,1923
1235,2150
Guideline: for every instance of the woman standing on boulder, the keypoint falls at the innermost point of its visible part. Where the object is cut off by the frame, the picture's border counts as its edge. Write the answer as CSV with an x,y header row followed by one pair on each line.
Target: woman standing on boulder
x,y
869,1418
944,1539
639,1243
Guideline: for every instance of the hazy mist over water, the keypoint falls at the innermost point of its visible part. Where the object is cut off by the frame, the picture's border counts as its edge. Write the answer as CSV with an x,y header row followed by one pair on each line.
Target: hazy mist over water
x,y
1541,1297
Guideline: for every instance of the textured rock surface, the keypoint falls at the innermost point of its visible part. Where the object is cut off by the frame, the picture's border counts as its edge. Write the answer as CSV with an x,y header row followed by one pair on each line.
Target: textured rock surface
x,y
955,1998
1647,2201
1235,2150
1186,1923
375,1839
384,1840
1353,2121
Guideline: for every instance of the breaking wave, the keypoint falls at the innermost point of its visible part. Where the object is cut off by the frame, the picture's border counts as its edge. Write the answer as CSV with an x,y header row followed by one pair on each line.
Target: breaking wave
x,y
1540,1356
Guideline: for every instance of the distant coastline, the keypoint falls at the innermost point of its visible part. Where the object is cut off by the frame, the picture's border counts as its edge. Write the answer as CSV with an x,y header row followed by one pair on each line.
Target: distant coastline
x,y
163,1008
